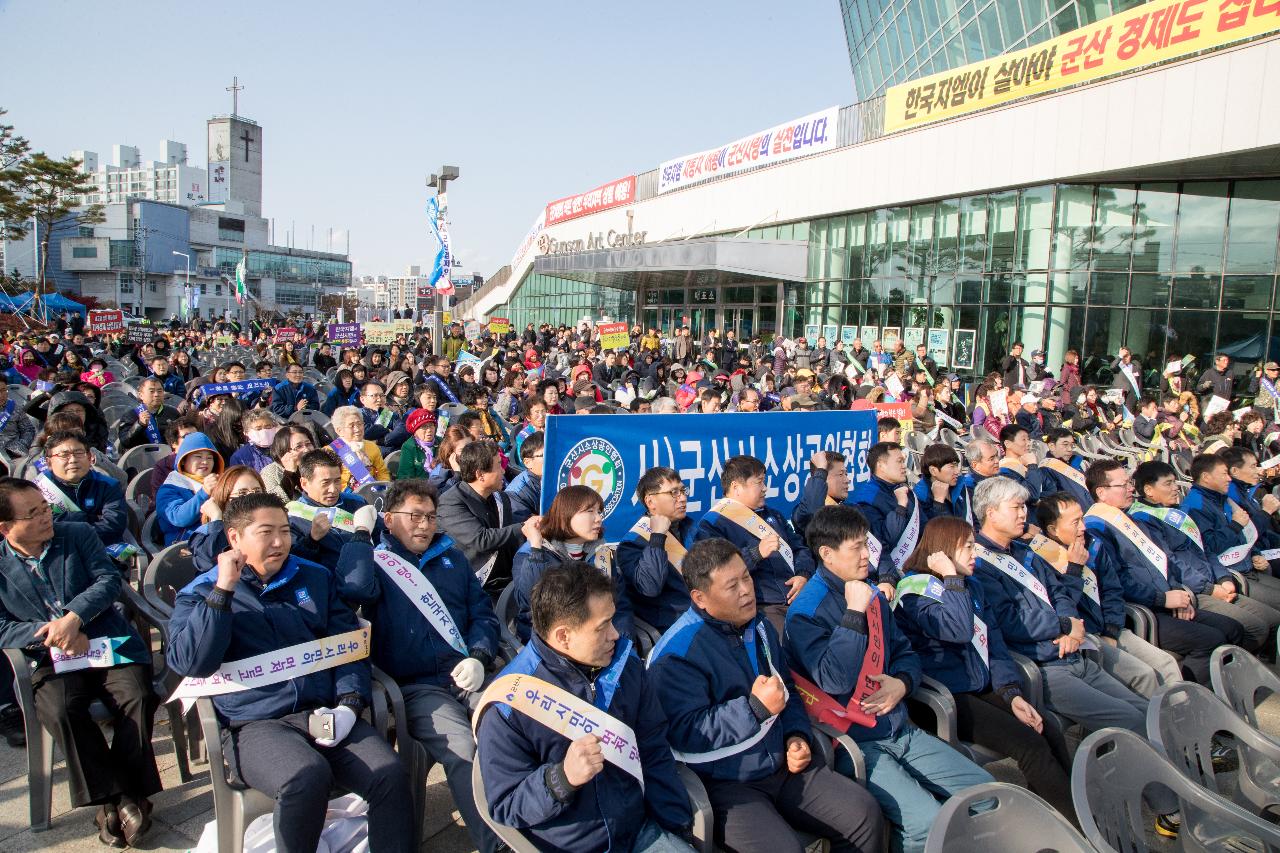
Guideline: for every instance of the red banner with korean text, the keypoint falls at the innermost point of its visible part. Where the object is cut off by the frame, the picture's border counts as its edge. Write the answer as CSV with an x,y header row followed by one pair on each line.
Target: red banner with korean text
x,y
106,322
612,194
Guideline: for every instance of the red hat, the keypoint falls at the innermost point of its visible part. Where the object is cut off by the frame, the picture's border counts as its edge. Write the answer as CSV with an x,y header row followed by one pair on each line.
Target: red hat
x,y
419,418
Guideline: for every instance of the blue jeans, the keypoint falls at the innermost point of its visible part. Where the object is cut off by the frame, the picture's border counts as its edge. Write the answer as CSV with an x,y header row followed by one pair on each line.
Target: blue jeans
x,y
911,774
655,839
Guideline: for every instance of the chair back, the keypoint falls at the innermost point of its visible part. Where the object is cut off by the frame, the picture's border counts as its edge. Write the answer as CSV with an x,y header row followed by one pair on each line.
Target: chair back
x,y
142,457
1238,678
512,837
169,571
1114,767
393,463
134,494
373,492
1001,818
507,610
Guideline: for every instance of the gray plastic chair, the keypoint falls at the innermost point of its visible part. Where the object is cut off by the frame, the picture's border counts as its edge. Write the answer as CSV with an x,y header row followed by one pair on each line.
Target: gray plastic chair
x,y
510,836
1113,767
934,696
1019,821
1182,721
373,492
143,457
393,463
507,610
1238,677
1141,621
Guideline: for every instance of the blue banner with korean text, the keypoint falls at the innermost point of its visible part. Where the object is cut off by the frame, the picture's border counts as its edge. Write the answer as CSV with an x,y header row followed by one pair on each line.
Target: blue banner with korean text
x,y
609,453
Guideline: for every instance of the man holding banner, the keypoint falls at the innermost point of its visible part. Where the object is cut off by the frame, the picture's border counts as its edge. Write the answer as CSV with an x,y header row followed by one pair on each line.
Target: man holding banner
x,y
575,754
57,605
286,664
146,423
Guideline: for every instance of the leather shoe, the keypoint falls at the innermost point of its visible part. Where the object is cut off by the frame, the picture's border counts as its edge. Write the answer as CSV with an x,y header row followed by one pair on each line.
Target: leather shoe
x,y
108,823
135,820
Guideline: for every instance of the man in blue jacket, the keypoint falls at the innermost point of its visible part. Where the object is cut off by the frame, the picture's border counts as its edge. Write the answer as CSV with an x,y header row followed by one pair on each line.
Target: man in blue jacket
x,y
382,426
293,395
777,558
562,789
1260,504
828,484
322,518
525,491
82,493
1039,619
650,554
983,458
892,512
1091,577
57,596
1063,469
862,662
1019,462
939,491
1227,537
260,599
438,657
735,717
173,383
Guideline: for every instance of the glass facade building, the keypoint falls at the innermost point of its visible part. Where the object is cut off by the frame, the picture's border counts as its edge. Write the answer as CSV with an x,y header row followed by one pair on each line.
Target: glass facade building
x,y
892,41
285,267
561,301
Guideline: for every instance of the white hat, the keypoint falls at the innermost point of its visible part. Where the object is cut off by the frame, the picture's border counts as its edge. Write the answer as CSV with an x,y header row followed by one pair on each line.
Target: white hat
x,y
1029,398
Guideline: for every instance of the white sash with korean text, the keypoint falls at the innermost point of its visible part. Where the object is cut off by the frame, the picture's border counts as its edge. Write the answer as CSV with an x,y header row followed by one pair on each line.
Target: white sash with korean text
x,y
918,584
1239,553
1055,555
673,547
744,517
281,665
1060,467
907,542
1123,525
422,593
103,652
1015,571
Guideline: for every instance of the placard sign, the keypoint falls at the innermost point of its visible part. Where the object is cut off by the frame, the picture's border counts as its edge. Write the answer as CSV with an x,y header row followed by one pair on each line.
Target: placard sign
x,y
139,334
287,333
499,325
614,336
347,334
106,322
379,333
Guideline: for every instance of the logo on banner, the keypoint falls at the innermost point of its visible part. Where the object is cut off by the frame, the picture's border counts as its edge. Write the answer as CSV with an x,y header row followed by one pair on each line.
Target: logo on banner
x,y
597,464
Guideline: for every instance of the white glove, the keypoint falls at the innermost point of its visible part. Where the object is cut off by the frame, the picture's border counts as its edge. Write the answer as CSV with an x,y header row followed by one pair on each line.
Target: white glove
x,y
343,720
365,518
468,674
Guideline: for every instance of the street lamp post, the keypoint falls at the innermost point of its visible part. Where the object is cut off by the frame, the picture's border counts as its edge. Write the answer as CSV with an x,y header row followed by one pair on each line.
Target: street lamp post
x,y
184,309
441,183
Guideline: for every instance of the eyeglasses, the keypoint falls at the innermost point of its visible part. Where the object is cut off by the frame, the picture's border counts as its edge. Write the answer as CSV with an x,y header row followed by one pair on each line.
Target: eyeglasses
x,y
35,513
67,455
675,493
302,448
417,518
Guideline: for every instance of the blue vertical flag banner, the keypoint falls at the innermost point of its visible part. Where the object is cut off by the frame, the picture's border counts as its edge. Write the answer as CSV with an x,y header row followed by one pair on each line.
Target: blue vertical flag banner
x,y
438,217
609,453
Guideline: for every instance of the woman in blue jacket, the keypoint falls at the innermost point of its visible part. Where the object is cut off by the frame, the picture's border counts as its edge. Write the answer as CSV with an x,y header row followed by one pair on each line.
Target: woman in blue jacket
x,y
185,490
344,393
943,614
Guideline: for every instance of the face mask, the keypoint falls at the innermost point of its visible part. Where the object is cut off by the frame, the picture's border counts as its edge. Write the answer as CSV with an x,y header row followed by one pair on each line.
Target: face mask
x,y
262,437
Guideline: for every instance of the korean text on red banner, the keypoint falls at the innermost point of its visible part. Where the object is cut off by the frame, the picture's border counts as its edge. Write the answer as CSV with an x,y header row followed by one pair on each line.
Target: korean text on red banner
x,y
612,194
106,322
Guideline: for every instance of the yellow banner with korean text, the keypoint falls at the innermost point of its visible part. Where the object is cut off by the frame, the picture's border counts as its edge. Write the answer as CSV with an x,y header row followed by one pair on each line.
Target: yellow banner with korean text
x,y
1153,32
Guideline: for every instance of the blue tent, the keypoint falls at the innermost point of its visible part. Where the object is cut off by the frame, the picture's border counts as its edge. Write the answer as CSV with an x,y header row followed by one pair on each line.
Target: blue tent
x,y
52,304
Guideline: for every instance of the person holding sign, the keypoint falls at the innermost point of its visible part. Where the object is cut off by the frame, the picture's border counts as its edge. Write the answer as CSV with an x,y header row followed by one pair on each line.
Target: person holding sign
x,y
285,661
777,558
382,425
293,395
56,604
650,554
854,666
738,721
324,517
417,576
575,752
891,510
942,609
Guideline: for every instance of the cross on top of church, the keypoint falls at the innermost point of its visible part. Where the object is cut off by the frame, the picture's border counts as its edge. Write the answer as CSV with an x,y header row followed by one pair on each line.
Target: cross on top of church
x,y
247,139
235,89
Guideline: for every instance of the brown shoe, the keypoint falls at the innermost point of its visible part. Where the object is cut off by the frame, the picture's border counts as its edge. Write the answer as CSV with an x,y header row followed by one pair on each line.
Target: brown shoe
x,y
135,821
108,823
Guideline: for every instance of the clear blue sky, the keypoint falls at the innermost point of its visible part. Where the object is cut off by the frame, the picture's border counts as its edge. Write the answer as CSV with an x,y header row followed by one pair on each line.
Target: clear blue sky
x,y
360,101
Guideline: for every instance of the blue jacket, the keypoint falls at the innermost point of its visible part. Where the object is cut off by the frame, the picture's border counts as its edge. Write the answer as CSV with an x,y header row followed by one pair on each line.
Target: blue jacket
x,y
405,645
377,433
443,478
102,505
1032,481
173,384
770,574
1106,616
1142,583
205,544
252,455
703,670
520,758
888,521
82,576
1245,497
826,642
525,492
327,551
655,587
299,604
953,506
285,396
337,399
1029,625
1051,481
812,498
529,564
177,507
1218,530
962,494
939,624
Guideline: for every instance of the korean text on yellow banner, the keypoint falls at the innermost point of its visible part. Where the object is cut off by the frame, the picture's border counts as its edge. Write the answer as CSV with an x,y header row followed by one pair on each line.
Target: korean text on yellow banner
x,y
1144,35
614,335
499,325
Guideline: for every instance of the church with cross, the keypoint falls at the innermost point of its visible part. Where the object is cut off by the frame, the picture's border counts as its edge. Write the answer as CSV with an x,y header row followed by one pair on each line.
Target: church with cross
x,y
235,161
